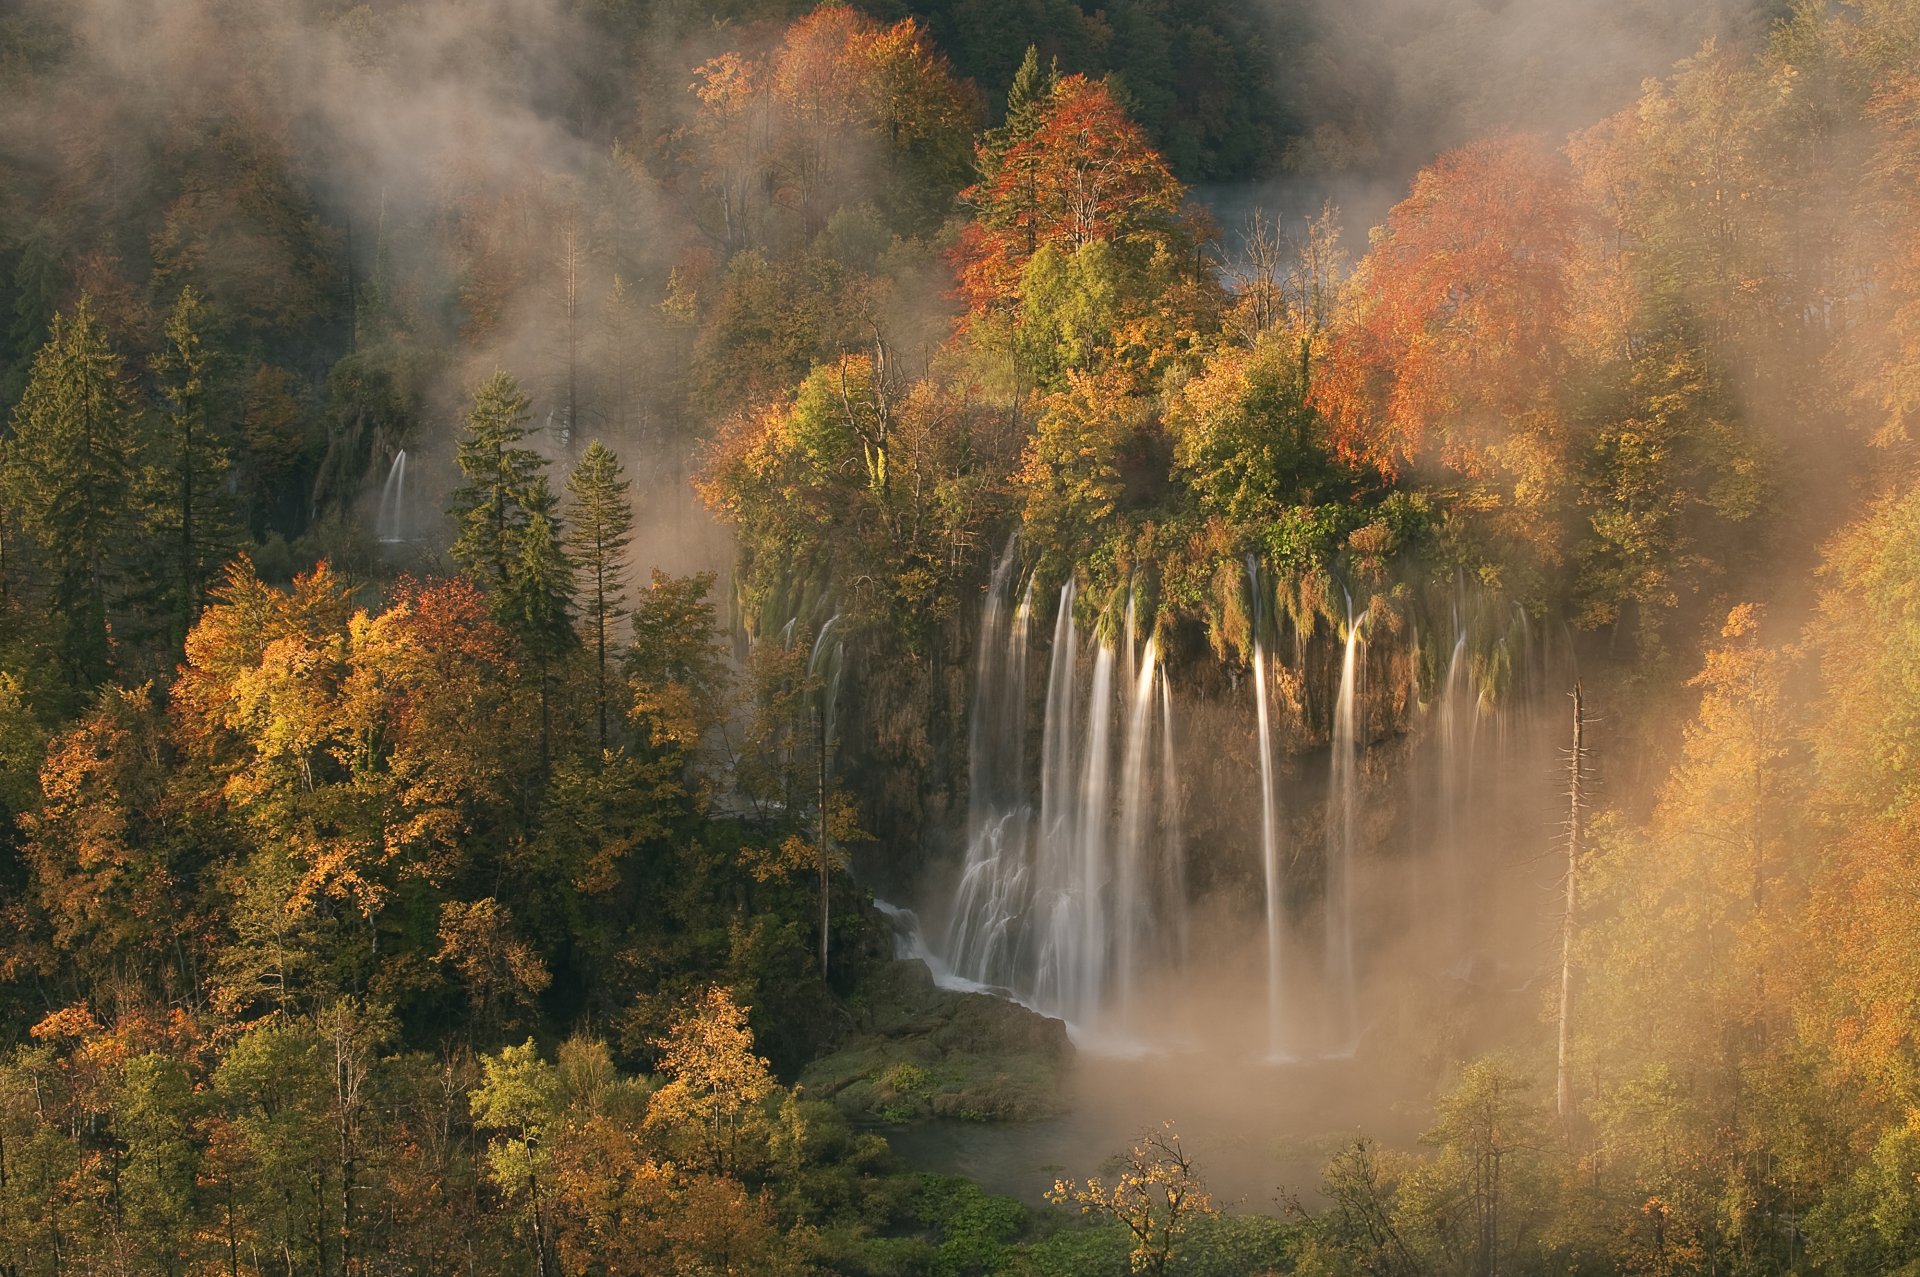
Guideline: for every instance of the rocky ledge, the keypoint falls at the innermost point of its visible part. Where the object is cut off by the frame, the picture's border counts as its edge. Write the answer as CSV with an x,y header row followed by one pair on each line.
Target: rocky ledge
x,y
921,1051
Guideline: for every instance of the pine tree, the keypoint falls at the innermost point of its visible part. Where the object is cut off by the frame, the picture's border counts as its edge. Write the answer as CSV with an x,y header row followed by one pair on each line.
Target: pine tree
x,y
491,507
191,509
536,601
1027,99
68,476
600,528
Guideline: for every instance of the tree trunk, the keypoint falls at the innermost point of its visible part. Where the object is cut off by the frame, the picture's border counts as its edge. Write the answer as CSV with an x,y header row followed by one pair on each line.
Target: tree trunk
x,y
826,854
1563,1089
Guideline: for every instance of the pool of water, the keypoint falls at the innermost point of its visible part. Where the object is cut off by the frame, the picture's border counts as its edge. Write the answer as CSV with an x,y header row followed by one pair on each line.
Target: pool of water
x,y
1258,1132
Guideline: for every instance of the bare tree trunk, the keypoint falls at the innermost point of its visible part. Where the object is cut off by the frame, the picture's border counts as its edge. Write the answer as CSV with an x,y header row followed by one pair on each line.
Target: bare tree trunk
x,y
1563,1089
826,854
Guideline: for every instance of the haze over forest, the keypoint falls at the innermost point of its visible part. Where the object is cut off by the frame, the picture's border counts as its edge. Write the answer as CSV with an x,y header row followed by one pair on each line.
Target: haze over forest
x,y
959,637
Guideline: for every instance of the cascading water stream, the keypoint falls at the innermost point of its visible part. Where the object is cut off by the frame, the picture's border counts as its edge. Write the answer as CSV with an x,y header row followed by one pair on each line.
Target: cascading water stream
x,y
390,525
993,884
1054,868
1074,895
1085,960
1269,833
1136,800
1342,814
1068,906
1174,848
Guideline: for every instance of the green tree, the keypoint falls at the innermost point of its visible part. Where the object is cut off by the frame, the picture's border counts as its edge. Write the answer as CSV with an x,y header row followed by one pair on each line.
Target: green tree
x,y
191,510
491,507
68,475
535,601
153,1114
1476,1204
520,1100
1027,100
600,527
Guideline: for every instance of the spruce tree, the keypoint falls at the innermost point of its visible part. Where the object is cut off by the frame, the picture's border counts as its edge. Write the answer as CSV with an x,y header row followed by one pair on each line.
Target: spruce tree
x,y
599,528
1027,100
68,476
191,511
536,601
491,507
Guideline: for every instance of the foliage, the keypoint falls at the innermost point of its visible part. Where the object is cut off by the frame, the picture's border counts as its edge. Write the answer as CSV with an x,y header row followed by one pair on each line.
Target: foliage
x,y
1085,173
1156,1194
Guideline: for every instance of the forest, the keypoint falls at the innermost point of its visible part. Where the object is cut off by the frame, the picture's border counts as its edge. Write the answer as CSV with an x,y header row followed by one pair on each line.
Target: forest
x,y
959,637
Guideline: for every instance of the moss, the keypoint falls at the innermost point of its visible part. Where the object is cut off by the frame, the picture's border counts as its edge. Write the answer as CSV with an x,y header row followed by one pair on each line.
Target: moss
x,y
926,1052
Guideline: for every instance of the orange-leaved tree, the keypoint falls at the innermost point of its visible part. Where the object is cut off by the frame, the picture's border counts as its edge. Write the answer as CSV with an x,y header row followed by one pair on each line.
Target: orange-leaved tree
x,y
1453,333
1085,174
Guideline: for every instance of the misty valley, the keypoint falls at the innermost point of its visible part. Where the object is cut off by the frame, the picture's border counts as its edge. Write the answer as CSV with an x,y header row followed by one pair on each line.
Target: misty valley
x,y
941,638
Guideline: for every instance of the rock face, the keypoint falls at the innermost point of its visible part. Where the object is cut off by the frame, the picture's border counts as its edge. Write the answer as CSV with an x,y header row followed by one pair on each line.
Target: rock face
x,y
922,1051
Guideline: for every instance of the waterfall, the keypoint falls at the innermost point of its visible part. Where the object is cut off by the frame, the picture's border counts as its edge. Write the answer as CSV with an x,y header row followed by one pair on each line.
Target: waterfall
x,y
993,881
1136,803
390,527
824,664
1269,829
1073,895
1083,962
1270,857
1173,846
1451,790
1341,815
1054,868
1069,904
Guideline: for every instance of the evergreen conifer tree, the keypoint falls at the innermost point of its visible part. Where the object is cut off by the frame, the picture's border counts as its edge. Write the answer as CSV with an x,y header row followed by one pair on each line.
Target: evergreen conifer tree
x,y
1027,100
536,601
68,475
190,507
491,507
600,526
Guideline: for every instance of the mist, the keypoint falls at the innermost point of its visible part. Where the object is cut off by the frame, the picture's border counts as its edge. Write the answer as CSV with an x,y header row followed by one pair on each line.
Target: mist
x,y
1334,575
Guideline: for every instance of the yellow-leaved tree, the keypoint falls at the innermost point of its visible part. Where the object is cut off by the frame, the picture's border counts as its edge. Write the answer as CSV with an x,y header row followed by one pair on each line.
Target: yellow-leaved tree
x,y
711,1114
1156,1193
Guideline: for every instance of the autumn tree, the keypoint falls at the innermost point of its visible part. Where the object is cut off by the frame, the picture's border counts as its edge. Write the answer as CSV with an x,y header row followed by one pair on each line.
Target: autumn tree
x,y
711,1111
1073,475
675,667
1690,959
107,867
502,974
1449,357
432,704
1085,173
1156,1194
1863,895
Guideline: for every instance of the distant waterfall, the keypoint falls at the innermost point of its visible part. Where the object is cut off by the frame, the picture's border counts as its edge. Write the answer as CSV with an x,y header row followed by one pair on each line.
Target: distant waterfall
x,y
391,524
1342,814
1276,904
